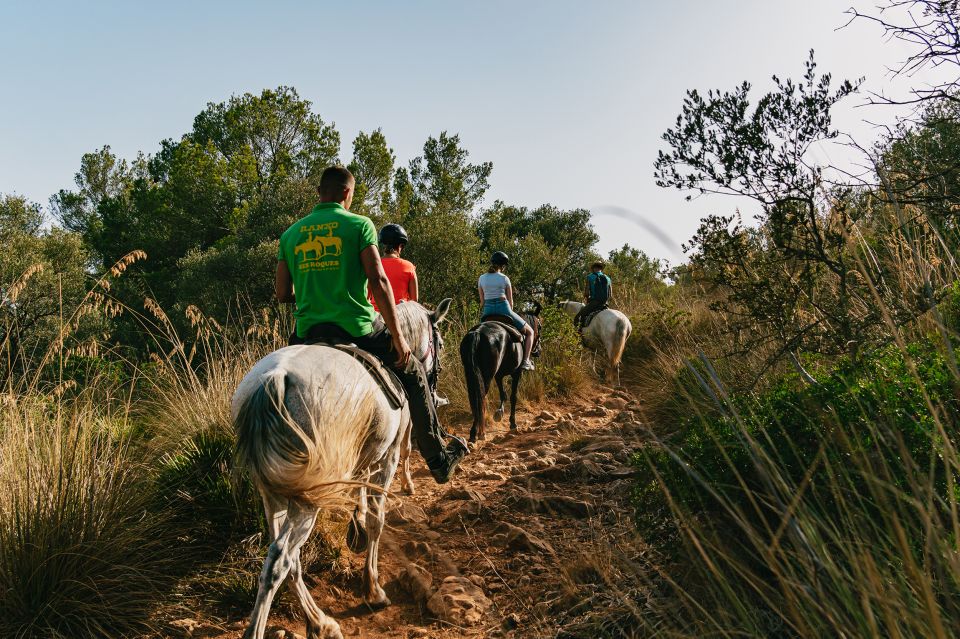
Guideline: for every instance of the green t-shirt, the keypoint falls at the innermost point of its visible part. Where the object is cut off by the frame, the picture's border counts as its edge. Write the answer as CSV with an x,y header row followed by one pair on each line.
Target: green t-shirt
x,y
322,252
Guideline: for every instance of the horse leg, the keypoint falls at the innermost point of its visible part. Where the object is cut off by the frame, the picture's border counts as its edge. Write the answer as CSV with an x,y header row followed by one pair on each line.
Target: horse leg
x,y
406,481
319,626
356,529
514,384
376,513
498,415
477,430
282,556
275,510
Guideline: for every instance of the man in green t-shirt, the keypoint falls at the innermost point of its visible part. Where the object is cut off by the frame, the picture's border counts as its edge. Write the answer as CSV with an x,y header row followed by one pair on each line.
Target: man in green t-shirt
x,y
329,258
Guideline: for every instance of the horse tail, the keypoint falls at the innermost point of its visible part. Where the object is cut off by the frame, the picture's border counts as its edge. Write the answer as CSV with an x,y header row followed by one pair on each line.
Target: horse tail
x,y
474,376
620,335
312,465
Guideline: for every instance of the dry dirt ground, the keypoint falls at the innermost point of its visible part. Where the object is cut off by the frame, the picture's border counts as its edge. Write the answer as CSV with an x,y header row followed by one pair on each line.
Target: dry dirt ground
x,y
510,548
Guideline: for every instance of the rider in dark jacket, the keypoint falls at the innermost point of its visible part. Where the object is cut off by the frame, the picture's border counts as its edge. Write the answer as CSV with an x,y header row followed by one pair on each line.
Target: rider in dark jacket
x,y
597,293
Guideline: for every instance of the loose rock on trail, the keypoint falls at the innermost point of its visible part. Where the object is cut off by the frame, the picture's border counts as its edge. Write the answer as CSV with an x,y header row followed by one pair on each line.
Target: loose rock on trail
x,y
499,550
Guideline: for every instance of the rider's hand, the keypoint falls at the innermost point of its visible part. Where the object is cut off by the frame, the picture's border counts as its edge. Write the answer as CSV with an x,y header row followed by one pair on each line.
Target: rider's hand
x,y
402,349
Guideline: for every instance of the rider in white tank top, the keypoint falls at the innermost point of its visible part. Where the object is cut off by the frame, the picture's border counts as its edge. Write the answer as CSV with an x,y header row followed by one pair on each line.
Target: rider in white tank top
x,y
494,286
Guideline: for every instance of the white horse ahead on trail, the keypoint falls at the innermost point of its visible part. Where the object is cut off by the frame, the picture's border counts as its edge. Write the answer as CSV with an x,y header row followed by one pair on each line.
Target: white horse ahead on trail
x,y
315,430
608,329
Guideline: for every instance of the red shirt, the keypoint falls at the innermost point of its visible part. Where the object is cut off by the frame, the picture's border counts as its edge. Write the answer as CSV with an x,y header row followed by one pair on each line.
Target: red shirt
x,y
400,272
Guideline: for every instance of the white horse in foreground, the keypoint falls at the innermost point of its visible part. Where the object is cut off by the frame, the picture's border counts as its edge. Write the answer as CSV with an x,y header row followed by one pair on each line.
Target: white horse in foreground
x,y
609,330
315,430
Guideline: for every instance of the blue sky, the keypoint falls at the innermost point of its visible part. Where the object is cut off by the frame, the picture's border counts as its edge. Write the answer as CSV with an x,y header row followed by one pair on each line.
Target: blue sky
x,y
567,99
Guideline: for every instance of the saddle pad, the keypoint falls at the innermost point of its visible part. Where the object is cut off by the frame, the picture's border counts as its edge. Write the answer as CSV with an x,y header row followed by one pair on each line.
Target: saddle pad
x,y
385,378
515,335
593,314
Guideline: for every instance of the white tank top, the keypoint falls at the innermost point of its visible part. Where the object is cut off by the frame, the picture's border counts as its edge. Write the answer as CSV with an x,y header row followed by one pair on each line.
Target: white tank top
x,y
494,285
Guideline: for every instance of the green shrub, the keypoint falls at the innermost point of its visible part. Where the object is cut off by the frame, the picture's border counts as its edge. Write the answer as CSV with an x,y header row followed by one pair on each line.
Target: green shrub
x,y
560,368
880,407
210,503
821,510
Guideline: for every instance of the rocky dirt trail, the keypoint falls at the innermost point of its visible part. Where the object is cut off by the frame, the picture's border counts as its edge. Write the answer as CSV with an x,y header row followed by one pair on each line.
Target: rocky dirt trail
x,y
503,547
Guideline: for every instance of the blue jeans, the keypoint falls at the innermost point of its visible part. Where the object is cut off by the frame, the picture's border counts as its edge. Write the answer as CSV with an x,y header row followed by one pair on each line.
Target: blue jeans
x,y
502,307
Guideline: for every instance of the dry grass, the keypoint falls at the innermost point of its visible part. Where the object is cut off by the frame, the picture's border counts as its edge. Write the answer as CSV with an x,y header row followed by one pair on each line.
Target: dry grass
x,y
81,554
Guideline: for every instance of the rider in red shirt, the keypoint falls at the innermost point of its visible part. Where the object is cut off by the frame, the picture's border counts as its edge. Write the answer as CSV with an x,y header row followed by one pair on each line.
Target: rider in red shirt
x,y
401,273
403,280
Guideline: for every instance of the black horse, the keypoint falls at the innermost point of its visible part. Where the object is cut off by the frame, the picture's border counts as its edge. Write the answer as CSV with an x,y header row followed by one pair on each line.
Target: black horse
x,y
489,351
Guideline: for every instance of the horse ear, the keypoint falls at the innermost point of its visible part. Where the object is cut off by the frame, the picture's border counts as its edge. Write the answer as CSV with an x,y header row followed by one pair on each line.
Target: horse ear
x,y
442,309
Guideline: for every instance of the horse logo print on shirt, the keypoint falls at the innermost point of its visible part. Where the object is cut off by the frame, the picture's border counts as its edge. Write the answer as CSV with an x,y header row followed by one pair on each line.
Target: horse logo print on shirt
x,y
318,246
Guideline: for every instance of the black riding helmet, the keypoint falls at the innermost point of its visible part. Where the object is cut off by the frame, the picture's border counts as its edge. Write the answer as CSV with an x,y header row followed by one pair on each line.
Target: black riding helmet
x,y
499,259
393,235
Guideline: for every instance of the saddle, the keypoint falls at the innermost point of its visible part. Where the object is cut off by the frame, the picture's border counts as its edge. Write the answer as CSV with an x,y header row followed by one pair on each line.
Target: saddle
x,y
337,338
506,322
385,378
589,318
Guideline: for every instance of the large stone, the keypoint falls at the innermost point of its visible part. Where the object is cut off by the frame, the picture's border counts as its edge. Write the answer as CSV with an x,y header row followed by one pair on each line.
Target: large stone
x,y
490,475
518,539
469,511
418,582
459,601
566,506
596,411
610,445
464,494
556,505
193,629
553,473
418,549
406,513
616,403
541,463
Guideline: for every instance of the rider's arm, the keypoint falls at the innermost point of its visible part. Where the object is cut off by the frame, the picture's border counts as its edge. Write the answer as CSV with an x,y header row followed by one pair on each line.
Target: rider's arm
x,y
413,288
379,287
509,293
283,284
586,291
480,291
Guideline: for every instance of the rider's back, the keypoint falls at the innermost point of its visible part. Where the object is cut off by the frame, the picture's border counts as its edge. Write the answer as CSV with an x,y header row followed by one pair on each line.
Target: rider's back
x,y
399,271
322,251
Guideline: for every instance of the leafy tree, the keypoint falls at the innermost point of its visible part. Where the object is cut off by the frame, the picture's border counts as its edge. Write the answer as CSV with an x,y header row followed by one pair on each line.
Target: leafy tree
x,y
204,206
444,180
931,28
276,131
921,167
631,265
804,250
43,283
372,166
549,247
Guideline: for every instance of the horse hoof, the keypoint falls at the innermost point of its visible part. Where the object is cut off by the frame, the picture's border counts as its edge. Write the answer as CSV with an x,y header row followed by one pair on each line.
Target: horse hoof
x,y
380,602
356,536
497,416
330,630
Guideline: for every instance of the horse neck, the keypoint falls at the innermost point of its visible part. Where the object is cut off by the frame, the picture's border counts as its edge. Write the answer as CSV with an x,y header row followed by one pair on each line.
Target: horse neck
x,y
572,308
416,328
